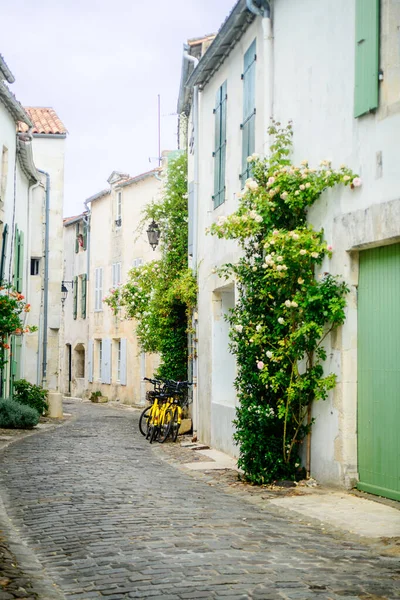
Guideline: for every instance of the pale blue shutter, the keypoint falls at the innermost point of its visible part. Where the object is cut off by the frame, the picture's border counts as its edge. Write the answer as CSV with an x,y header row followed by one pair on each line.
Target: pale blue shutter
x,y
249,109
220,146
191,217
90,361
106,366
122,377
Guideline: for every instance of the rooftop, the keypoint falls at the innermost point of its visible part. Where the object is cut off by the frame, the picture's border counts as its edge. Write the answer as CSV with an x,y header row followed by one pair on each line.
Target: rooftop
x,y
45,121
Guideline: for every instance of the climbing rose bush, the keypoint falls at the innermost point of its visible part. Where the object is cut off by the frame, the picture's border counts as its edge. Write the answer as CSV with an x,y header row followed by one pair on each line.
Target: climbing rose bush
x,y
283,313
12,309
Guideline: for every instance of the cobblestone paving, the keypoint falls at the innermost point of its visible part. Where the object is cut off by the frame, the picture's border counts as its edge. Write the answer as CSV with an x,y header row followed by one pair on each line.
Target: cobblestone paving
x,y
108,519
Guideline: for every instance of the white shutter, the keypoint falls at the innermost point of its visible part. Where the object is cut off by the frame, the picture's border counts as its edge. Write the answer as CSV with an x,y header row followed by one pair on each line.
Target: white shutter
x,y
106,362
122,377
90,361
113,274
100,287
118,273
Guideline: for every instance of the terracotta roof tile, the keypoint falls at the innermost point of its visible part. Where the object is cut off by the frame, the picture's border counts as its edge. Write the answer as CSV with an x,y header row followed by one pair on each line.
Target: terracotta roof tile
x,y
45,121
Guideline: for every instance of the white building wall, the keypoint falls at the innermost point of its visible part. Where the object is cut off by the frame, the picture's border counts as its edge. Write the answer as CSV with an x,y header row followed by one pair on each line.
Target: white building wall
x,y
48,154
216,408
112,244
313,85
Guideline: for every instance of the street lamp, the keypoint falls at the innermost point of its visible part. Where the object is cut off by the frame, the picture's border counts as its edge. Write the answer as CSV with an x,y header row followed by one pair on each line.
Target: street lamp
x,y
153,233
64,290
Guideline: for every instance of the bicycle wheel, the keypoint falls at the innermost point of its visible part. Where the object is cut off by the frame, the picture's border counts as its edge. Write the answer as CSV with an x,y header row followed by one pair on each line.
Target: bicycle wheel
x,y
144,421
154,431
165,427
175,425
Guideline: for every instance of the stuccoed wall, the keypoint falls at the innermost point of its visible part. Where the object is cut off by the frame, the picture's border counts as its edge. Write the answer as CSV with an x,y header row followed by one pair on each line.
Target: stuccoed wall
x,y
316,90
313,85
216,408
48,154
111,245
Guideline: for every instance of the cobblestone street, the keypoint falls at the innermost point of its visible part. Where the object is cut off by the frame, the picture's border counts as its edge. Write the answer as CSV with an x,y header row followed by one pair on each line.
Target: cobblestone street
x,y
108,519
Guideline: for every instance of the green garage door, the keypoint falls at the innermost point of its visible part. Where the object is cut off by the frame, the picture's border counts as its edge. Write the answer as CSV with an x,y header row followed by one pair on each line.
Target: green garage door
x,y
379,371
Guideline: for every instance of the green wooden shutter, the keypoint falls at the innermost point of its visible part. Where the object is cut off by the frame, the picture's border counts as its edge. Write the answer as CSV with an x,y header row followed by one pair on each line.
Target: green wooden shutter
x,y
77,238
366,90
220,145
83,297
249,109
75,305
85,228
17,279
21,256
3,252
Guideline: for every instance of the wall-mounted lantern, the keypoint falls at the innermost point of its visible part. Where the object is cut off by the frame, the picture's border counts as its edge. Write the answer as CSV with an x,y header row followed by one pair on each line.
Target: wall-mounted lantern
x,y
153,233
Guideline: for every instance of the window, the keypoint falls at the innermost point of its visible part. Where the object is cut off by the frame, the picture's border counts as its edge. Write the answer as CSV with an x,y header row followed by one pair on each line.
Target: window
x,y
249,110
219,153
98,289
116,274
366,91
137,262
4,173
118,210
35,262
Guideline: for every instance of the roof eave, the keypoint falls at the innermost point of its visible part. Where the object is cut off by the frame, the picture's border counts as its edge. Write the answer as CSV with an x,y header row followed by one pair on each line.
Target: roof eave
x,y
138,178
13,106
25,157
5,71
226,39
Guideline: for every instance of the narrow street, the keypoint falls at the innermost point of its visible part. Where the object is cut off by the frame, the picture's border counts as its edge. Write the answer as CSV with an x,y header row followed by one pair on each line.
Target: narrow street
x,y
107,519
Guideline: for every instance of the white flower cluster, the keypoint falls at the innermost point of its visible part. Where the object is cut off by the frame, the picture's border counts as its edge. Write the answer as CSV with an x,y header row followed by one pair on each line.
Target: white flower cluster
x,y
251,185
291,304
253,157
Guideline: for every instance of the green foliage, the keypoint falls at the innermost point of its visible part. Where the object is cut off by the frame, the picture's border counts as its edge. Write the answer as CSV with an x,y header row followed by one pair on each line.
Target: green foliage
x,y
283,313
14,415
12,308
161,294
31,395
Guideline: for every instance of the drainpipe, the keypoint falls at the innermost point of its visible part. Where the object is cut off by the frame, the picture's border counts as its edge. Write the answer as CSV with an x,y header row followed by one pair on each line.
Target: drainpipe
x,y
195,61
46,278
265,12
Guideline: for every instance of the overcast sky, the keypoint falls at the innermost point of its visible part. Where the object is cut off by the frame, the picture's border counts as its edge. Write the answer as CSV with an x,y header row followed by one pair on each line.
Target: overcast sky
x,y
101,64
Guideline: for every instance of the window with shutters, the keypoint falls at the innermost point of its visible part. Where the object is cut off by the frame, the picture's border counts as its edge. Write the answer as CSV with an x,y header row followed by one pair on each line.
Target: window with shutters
x,y
366,91
85,235
123,361
219,153
98,289
137,262
249,110
118,210
75,299
83,295
116,274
